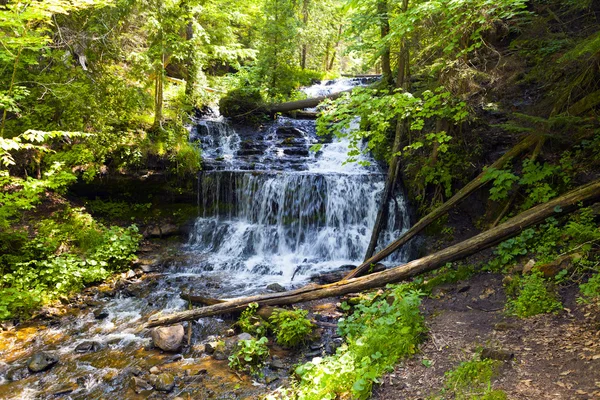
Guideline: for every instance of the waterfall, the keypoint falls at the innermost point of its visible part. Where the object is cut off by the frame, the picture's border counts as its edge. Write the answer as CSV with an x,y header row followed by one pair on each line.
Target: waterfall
x,y
273,211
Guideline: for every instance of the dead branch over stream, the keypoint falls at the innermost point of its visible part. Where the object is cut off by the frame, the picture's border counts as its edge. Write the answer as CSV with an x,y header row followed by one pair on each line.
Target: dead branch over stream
x,y
461,195
512,227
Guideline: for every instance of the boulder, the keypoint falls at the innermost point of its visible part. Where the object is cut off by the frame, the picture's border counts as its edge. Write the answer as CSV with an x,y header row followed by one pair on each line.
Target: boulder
x,y
41,362
139,385
163,382
162,230
101,314
168,338
276,287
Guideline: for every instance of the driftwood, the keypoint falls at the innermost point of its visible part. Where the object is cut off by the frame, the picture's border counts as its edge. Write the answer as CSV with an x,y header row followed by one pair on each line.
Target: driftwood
x,y
441,210
510,228
302,104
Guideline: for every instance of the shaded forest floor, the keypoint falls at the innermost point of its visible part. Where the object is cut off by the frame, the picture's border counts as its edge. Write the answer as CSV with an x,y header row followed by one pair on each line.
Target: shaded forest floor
x,y
555,356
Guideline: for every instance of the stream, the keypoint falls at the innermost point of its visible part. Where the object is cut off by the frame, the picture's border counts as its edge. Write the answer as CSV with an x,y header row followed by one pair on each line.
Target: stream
x,y
270,211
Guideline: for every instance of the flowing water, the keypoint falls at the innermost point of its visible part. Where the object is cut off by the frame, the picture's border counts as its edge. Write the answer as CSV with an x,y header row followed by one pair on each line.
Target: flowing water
x,y
270,210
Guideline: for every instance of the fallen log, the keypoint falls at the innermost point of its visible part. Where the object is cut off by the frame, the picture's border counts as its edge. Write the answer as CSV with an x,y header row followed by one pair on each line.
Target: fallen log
x,y
462,194
302,104
201,300
512,227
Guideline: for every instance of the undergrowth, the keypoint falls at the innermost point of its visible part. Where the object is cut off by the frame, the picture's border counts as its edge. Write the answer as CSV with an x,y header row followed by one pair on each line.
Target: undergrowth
x,y
532,296
291,327
250,355
378,333
472,380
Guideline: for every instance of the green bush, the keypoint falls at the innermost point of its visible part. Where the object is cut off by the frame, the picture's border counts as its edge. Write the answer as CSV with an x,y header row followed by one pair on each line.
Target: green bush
x,y
251,323
590,291
378,334
472,380
250,355
533,297
291,327
238,102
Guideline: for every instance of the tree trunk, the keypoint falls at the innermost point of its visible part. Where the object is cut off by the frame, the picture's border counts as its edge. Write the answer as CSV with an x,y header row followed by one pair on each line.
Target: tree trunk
x,y
301,104
158,96
441,210
394,168
510,228
384,26
304,51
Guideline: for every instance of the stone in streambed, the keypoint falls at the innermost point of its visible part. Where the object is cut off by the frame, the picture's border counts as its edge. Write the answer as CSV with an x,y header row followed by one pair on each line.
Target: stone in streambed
x,y
275,287
101,314
88,347
41,362
163,382
168,338
139,385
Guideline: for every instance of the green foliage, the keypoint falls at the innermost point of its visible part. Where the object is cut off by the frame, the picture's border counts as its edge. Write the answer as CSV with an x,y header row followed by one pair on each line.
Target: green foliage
x,y
291,327
503,182
378,335
590,290
533,297
578,232
69,253
251,323
471,380
250,355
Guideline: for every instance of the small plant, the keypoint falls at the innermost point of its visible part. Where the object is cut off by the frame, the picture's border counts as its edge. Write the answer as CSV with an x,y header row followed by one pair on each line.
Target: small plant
x,y
473,380
250,355
291,326
533,297
590,291
251,323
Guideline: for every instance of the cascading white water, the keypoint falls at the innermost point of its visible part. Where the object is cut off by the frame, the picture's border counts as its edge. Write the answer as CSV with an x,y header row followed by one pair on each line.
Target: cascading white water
x,y
280,213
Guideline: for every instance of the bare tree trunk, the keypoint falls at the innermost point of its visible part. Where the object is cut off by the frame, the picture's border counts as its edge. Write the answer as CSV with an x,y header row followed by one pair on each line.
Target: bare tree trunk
x,y
300,104
510,228
304,52
384,26
394,168
441,210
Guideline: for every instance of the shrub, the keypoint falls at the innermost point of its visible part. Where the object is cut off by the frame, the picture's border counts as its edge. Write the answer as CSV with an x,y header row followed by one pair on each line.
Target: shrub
x,y
533,297
250,355
590,291
251,323
472,380
291,326
378,334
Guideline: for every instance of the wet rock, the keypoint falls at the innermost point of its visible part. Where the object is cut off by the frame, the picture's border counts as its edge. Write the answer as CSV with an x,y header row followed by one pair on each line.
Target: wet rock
x,y
101,314
244,336
219,355
88,347
276,287
139,385
62,389
41,362
529,266
154,370
168,338
211,347
497,354
164,382
134,371
163,230
16,374
278,364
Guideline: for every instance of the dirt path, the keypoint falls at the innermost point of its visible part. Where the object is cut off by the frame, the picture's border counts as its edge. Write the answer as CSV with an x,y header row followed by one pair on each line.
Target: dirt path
x,y
555,356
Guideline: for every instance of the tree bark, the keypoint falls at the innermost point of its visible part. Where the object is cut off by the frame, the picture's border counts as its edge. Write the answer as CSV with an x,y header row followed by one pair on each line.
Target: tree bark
x,y
384,26
301,104
510,228
394,168
441,210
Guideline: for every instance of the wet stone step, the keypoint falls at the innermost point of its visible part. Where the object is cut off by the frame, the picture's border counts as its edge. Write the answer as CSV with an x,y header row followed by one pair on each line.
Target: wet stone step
x,y
303,152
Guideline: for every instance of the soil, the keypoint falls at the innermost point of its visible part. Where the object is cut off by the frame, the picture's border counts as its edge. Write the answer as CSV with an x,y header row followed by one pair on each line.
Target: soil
x,y
555,356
